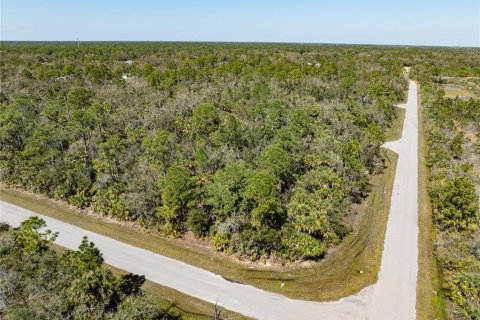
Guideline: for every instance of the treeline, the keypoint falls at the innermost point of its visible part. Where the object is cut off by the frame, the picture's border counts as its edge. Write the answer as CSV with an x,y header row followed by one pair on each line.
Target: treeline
x,y
38,283
262,148
453,159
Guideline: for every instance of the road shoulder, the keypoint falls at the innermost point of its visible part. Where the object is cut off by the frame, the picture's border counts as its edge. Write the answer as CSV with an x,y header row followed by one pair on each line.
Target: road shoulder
x,y
429,300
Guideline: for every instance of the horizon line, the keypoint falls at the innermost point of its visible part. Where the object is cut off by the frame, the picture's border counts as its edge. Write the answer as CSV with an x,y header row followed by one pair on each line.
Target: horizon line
x,y
242,42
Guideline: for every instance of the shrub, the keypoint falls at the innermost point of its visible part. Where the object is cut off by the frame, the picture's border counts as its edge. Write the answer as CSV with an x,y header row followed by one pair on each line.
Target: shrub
x,y
221,241
258,243
299,245
455,202
199,222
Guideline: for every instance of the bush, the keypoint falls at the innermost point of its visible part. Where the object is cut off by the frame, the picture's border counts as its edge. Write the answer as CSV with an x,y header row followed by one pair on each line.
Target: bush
x,y
464,290
199,222
453,196
258,243
221,241
299,245
455,202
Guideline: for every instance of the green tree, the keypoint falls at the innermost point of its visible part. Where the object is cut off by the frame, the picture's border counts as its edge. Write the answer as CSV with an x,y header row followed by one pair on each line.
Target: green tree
x,y
85,116
177,197
110,167
80,97
159,149
276,161
40,284
268,213
109,157
257,243
86,258
261,186
199,222
229,132
31,237
153,78
309,214
205,119
456,146
225,192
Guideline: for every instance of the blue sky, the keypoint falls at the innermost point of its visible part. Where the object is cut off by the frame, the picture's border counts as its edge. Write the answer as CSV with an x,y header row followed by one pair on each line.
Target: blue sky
x,y
412,22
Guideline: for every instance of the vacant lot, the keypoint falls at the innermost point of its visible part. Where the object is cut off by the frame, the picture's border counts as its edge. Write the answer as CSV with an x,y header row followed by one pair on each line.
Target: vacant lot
x,y
348,269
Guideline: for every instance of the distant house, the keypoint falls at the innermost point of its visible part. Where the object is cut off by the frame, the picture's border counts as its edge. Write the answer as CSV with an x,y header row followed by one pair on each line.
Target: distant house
x,y
67,77
129,78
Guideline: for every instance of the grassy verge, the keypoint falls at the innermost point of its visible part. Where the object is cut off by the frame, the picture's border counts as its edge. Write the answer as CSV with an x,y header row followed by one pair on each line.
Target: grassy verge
x,y
395,131
430,303
351,267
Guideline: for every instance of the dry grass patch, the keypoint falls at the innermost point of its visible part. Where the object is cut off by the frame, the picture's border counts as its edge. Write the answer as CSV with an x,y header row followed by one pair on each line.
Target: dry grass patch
x,y
395,131
452,91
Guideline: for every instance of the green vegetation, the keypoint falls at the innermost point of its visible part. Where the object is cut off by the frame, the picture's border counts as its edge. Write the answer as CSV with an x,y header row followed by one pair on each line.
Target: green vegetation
x,y
38,283
266,150
348,269
430,297
268,153
452,128
178,303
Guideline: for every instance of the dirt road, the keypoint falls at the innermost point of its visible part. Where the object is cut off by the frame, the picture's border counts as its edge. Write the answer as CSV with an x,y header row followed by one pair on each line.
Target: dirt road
x,y
392,297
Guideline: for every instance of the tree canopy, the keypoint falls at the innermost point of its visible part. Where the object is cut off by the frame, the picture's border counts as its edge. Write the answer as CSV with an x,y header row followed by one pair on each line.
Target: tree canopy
x,y
223,140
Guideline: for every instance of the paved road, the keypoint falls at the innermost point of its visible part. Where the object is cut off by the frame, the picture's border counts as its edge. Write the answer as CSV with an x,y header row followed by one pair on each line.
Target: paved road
x,y
392,297
395,292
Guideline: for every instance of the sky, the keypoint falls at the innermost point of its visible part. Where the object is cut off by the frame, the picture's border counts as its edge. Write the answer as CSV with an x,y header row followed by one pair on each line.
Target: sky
x,y
400,22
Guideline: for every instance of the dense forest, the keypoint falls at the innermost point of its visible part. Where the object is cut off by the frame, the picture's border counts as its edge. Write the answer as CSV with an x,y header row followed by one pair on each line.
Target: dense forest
x,y
36,282
453,160
264,149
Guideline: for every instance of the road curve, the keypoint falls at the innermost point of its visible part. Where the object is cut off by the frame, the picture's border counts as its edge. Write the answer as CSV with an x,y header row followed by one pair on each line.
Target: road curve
x,y
392,297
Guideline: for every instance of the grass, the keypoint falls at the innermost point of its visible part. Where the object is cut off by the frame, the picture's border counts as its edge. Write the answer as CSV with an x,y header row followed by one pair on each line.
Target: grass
x,y
452,91
395,131
348,269
430,302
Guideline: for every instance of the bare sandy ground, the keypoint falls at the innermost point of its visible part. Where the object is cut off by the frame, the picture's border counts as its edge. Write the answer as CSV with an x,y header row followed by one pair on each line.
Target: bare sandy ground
x,y
392,297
